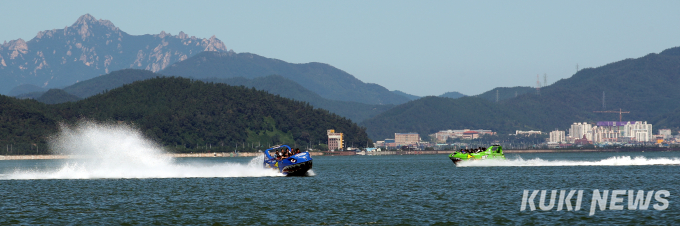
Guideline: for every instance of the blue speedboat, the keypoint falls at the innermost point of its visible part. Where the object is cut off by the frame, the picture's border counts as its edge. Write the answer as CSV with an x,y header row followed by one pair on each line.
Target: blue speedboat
x,y
295,165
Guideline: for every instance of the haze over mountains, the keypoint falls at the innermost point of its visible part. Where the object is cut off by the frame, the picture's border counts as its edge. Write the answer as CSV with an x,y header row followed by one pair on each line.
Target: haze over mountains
x,y
327,81
274,84
644,86
89,48
86,59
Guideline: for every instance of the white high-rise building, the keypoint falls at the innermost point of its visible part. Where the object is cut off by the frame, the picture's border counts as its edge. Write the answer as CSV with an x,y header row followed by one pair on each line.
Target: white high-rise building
x,y
557,136
640,131
605,134
577,131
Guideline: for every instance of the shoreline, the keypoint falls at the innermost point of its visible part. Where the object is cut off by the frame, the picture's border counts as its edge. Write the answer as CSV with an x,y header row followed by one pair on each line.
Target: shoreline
x,y
350,153
174,155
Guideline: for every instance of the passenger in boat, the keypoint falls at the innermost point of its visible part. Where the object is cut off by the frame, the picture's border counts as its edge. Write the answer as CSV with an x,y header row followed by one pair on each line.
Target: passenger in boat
x,y
297,151
277,155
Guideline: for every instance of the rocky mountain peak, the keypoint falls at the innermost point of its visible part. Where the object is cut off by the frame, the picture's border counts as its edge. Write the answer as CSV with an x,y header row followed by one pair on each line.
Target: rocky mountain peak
x,y
182,35
85,19
214,44
86,22
18,44
92,47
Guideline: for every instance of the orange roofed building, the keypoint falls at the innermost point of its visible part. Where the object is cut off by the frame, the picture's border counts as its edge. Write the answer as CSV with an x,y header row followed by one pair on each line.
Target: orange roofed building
x,y
334,140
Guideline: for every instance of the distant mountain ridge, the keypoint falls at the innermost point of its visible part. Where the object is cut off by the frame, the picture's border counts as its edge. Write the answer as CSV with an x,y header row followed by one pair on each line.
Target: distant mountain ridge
x,y
327,81
88,48
643,86
182,115
503,93
453,95
409,96
274,84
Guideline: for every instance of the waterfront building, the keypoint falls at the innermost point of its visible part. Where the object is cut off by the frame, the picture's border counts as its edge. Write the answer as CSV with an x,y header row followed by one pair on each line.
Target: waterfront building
x,y
579,130
403,139
638,131
603,134
666,133
444,135
527,133
390,143
557,136
470,135
335,140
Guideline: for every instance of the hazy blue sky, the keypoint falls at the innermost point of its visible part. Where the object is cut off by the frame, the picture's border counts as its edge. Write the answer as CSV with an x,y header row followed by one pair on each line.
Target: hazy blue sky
x,y
419,47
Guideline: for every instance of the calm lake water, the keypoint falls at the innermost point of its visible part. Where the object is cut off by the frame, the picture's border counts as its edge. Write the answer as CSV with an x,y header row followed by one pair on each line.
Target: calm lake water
x,y
382,190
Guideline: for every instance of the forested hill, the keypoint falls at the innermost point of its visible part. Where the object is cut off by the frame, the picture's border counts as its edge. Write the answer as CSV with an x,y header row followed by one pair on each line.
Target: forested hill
x,y
99,84
276,84
452,95
185,113
503,93
327,81
409,96
431,114
273,84
643,86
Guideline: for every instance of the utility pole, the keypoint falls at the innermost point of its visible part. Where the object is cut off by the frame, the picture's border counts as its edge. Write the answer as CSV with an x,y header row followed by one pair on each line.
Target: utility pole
x,y
496,95
538,86
603,105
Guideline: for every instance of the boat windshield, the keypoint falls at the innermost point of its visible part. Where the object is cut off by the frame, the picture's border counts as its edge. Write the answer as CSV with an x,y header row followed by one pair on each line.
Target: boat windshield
x,y
268,153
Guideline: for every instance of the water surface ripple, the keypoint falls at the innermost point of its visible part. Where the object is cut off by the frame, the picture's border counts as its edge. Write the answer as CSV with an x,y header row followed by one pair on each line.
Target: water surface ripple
x,y
376,190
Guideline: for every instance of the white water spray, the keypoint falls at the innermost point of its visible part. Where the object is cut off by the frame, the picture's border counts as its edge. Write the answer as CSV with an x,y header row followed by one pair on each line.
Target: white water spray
x,y
612,161
120,151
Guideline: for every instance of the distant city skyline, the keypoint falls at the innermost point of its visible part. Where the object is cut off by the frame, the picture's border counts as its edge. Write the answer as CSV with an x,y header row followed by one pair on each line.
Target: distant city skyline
x,y
421,48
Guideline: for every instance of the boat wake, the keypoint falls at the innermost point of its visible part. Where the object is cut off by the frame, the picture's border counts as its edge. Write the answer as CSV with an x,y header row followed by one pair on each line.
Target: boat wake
x,y
613,161
120,151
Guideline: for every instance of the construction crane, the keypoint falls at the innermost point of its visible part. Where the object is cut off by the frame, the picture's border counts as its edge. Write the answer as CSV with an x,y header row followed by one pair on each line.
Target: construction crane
x,y
619,111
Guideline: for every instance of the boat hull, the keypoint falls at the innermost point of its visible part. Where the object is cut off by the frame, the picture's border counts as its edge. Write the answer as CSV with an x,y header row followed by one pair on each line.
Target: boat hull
x,y
295,165
297,169
493,152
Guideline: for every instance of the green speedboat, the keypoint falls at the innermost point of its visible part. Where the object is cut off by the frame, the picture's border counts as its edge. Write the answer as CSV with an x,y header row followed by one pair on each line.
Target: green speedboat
x,y
493,152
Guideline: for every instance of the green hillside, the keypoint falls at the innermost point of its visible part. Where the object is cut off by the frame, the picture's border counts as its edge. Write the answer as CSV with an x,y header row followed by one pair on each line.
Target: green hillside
x,y
273,84
25,125
327,81
409,96
431,114
57,96
453,95
504,93
642,86
184,113
25,88
276,84
108,81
